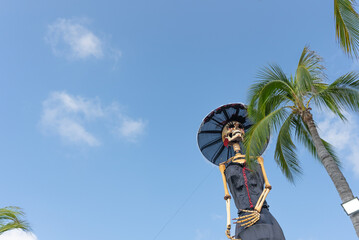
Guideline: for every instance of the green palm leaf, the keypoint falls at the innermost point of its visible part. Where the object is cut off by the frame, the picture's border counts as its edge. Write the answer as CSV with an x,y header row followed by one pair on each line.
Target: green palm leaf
x,y
347,26
12,218
340,95
272,90
285,155
309,71
302,134
258,135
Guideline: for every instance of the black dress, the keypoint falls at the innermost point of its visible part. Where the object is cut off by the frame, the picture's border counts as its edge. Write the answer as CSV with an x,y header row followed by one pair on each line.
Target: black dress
x,y
246,187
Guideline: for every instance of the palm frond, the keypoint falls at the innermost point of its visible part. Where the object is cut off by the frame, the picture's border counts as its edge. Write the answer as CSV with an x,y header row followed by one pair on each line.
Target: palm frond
x,y
272,89
302,134
273,72
347,26
309,71
347,99
349,80
312,62
341,95
265,76
13,225
257,136
332,152
272,92
285,151
11,218
326,100
275,101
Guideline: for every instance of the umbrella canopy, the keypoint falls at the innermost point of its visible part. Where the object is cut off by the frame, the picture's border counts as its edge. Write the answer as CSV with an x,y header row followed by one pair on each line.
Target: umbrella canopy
x,y
209,135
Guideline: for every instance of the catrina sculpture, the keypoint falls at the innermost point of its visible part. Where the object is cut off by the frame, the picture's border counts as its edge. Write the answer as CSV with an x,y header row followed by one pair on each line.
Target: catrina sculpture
x,y
220,139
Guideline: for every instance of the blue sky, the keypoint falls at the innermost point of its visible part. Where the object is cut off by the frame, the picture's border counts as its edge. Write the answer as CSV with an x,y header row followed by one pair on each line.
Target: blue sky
x,y
101,103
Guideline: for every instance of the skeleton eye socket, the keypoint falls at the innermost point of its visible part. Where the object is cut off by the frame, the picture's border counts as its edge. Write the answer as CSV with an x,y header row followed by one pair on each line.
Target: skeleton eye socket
x,y
230,126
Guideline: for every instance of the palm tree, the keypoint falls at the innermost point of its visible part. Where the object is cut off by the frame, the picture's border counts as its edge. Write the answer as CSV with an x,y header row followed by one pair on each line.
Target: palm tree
x,y
283,104
347,26
11,218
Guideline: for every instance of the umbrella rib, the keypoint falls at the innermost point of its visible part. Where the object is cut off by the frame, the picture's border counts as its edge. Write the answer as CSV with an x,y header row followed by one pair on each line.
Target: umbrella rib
x,y
216,121
218,152
236,113
211,143
225,114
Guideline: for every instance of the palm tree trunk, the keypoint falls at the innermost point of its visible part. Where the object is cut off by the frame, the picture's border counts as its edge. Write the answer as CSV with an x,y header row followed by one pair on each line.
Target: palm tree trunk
x,y
332,168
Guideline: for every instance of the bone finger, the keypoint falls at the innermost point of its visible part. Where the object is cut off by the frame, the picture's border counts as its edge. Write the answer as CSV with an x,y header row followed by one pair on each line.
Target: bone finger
x,y
248,224
256,214
248,215
244,210
251,213
254,219
247,219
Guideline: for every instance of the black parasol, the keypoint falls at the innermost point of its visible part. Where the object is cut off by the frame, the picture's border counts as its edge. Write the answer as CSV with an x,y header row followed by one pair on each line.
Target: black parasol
x,y
209,135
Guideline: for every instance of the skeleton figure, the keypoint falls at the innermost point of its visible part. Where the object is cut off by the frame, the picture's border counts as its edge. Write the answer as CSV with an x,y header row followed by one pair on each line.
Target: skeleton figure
x,y
254,220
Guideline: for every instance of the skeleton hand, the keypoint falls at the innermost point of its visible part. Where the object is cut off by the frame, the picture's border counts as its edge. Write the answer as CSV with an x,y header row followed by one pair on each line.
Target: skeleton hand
x,y
249,219
254,215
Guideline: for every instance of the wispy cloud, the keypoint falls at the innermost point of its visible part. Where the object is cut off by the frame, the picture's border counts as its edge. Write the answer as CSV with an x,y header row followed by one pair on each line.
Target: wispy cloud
x,y
72,39
65,115
131,129
69,117
344,136
17,234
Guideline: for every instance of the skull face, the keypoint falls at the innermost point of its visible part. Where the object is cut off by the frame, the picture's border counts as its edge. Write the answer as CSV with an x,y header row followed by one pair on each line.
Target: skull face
x,y
232,132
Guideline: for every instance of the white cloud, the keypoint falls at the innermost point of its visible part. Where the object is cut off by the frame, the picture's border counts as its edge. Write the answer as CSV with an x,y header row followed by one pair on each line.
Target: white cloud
x,y
69,117
70,38
17,234
344,136
131,129
65,115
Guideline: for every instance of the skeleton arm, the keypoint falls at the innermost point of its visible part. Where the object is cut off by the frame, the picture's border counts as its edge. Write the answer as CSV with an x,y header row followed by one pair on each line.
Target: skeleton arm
x,y
222,168
254,215
227,197
266,190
